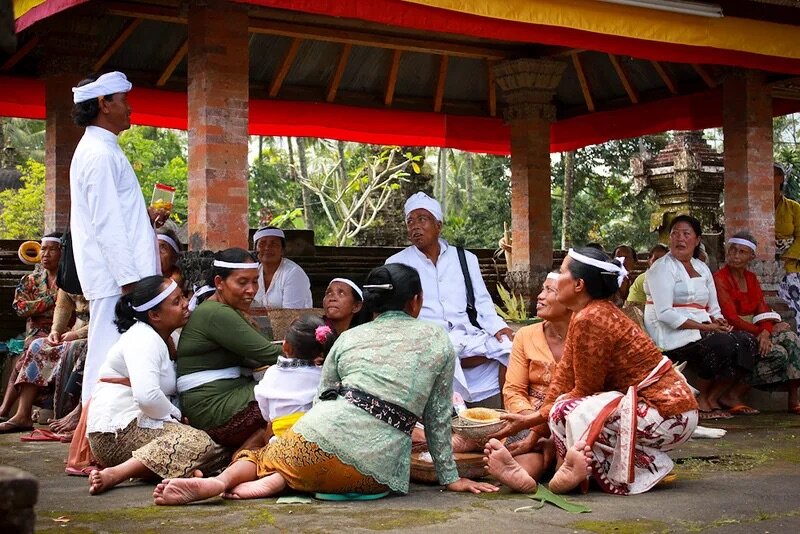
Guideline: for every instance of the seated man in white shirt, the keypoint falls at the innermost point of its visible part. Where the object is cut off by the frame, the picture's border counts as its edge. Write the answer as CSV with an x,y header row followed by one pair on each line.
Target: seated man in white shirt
x,y
482,351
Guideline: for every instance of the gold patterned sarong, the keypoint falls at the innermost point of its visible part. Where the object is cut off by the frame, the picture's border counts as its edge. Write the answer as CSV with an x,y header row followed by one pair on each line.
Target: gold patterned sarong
x,y
308,468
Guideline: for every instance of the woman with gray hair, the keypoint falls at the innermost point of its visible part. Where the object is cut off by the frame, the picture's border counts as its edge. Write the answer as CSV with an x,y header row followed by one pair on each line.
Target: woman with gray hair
x,y
742,302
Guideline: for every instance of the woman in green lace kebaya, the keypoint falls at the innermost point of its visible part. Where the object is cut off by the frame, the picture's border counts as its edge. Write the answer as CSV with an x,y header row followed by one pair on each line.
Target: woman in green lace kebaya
x,y
379,379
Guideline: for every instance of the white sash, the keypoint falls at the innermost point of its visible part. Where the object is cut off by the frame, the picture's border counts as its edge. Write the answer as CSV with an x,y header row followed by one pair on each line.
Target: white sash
x,y
193,380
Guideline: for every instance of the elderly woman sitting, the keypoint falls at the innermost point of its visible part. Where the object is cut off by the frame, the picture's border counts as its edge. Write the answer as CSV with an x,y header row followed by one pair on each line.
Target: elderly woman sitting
x,y
343,305
743,305
215,345
169,252
35,300
536,351
683,317
281,282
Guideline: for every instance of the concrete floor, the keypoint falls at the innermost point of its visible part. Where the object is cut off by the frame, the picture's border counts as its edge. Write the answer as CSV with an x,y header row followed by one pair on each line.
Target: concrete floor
x,y
747,482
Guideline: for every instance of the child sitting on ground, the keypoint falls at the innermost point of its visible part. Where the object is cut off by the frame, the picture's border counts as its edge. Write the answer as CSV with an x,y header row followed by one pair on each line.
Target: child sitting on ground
x,y
289,387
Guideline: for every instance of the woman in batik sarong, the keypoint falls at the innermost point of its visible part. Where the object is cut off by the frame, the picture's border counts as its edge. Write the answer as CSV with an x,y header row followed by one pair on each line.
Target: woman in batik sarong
x,y
377,381
743,305
35,300
615,405
44,367
133,427
217,348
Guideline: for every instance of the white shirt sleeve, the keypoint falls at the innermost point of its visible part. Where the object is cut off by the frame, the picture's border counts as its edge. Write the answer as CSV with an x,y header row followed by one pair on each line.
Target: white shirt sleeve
x,y
661,283
143,360
107,220
296,289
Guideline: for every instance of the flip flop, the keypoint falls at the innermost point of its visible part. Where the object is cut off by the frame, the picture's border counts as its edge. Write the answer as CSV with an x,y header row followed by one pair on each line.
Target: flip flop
x,y
85,472
795,409
66,438
714,414
13,428
41,435
742,409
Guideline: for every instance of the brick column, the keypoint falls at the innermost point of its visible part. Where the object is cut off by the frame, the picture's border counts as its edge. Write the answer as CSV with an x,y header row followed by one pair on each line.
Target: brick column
x,y
528,87
747,127
61,72
218,95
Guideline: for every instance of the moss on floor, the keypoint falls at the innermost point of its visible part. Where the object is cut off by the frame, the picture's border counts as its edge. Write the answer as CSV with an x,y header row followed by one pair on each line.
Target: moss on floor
x,y
622,526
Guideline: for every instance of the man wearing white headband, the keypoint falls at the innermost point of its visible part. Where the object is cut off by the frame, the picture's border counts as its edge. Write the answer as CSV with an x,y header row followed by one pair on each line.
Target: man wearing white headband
x,y
112,233
281,282
482,351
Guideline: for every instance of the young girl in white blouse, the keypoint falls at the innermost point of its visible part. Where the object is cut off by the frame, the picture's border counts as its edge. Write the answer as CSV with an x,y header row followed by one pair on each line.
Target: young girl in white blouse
x,y
289,387
133,427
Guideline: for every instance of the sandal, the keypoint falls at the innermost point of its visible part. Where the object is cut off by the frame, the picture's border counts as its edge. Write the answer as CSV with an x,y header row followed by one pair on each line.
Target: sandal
x,y
84,472
714,414
41,435
795,409
742,409
9,427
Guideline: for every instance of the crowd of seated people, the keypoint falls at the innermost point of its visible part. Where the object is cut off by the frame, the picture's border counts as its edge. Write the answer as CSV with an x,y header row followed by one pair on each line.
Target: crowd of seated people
x,y
342,394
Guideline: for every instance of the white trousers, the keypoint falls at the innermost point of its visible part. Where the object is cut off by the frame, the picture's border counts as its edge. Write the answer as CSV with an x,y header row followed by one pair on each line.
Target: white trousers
x,y
103,334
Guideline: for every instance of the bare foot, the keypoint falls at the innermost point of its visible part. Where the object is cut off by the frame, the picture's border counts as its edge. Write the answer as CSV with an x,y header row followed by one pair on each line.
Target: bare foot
x,y
68,423
175,491
101,480
263,487
502,466
575,469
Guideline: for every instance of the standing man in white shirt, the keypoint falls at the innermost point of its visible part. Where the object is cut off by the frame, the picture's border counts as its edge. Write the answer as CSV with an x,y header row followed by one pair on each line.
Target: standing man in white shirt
x,y
113,239
483,350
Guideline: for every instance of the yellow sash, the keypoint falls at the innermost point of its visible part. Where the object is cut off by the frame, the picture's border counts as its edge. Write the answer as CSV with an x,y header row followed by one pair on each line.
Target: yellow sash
x,y
284,423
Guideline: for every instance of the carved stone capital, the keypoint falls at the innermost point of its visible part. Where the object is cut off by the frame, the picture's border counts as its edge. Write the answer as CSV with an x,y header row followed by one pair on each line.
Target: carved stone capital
x,y
528,86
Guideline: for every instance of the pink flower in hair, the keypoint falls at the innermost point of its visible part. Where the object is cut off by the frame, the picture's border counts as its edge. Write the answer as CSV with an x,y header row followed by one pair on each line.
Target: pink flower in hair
x,y
322,332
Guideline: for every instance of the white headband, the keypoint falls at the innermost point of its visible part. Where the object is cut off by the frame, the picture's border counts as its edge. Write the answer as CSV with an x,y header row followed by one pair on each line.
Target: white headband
x,y
51,240
229,265
604,265
420,200
107,84
267,232
155,301
169,241
349,283
199,292
744,242
552,276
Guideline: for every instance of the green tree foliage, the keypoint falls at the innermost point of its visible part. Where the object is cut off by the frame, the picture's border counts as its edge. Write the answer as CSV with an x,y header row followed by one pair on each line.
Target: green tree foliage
x,y
605,210
478,223
22,211
273,191
159,155
786,146
21,140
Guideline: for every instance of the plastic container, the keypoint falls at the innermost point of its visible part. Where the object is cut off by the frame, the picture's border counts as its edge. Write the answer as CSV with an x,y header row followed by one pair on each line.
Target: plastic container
x,y
163,197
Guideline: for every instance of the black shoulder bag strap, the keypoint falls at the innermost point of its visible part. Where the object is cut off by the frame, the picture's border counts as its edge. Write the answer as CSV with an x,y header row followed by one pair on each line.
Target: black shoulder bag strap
x,y
472,313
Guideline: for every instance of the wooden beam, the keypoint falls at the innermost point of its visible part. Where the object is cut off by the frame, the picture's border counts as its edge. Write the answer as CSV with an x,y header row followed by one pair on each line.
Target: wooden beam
x,y
665,77
391,79
587,92
21,52
633,94
440,84
333,86
173,63
118,41
491,90
705,75
286,64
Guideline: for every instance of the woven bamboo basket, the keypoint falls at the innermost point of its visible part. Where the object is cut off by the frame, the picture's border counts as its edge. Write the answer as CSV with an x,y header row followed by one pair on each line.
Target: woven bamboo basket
x,y
279,320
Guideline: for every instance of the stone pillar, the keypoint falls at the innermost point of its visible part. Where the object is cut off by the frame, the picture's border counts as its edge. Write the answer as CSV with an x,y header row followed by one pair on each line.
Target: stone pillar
x,y
218,95
747,128
61,72
528,87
